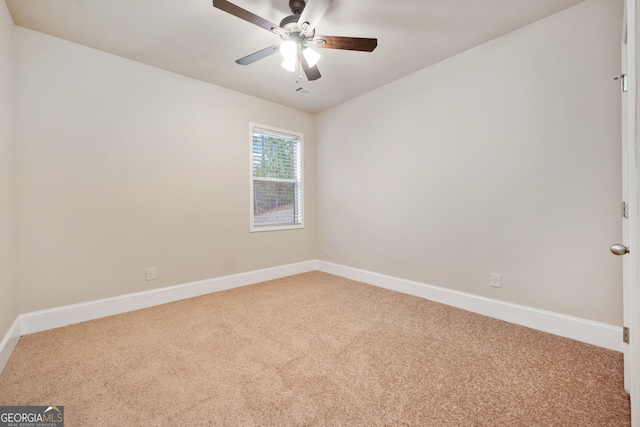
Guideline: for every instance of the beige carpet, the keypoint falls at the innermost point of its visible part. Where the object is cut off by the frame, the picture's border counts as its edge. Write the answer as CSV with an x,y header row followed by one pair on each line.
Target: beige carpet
x,y
314,349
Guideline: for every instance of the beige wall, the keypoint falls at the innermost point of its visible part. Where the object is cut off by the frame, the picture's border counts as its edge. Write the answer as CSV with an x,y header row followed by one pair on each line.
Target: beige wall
x,y
8,225
503,159
123,166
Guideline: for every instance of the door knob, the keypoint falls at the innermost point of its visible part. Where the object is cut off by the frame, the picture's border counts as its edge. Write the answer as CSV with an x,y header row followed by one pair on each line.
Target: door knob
x,y
619,249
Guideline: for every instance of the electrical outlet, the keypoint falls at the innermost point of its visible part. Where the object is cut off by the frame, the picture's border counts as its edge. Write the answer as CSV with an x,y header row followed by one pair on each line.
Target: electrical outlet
x,y
151,273
325,251
496,280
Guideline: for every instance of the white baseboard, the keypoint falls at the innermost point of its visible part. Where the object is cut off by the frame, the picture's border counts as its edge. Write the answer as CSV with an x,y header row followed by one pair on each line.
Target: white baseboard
x,y
62,316
38,321
9,342
599,334
587,331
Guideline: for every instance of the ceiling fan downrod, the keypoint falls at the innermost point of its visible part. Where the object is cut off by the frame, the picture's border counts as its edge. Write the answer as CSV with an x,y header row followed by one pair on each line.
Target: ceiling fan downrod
x,y
290,23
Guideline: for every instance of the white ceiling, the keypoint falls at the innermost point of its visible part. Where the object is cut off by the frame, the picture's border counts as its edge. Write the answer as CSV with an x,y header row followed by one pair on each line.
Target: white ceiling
x,y
192,38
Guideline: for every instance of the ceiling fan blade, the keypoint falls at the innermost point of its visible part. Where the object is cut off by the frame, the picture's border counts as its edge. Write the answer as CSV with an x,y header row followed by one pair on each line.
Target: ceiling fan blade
x,y
346,43
312,13
250,59
312,73
246,15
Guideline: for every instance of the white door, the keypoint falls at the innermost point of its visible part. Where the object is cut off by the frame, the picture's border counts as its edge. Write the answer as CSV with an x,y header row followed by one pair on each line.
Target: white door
x,y
631,293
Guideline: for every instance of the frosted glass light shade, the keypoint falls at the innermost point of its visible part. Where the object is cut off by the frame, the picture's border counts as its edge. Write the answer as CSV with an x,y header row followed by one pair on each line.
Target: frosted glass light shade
x,y
311,56
289,64
288,49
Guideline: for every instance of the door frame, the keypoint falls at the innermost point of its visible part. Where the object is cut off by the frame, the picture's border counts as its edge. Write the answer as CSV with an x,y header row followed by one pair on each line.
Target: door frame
x,y
631,291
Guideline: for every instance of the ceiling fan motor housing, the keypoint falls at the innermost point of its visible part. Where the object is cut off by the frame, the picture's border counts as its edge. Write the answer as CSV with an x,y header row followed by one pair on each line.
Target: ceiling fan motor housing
x,y
292,29
289,23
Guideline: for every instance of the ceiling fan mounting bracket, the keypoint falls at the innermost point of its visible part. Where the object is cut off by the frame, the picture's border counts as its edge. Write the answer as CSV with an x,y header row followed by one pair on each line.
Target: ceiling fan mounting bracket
x,y
296,6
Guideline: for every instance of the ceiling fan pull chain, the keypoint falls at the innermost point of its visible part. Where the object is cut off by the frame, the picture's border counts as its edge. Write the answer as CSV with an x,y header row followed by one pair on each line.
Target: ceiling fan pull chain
x,y
299,67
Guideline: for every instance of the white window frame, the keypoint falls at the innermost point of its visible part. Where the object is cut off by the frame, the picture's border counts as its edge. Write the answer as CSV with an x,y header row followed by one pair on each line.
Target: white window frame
x,y
300,178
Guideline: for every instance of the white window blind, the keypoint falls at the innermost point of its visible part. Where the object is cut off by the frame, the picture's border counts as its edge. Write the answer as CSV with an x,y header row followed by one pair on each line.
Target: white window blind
x,y
276,179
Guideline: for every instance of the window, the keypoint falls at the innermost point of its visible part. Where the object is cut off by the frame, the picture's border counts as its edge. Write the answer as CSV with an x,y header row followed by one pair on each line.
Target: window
x,y
276,179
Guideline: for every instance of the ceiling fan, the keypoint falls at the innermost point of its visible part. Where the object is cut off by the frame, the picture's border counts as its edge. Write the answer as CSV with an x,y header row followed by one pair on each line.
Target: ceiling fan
x,y
298,34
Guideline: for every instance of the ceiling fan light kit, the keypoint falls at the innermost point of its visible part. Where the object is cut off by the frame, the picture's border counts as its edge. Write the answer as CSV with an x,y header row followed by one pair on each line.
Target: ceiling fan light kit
x,y
297,32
